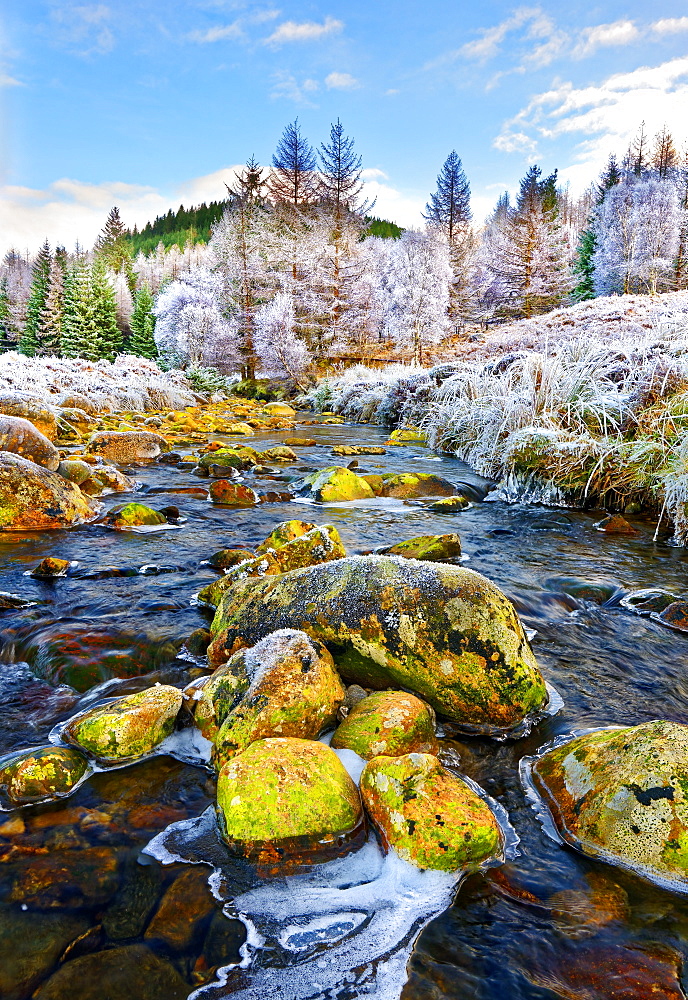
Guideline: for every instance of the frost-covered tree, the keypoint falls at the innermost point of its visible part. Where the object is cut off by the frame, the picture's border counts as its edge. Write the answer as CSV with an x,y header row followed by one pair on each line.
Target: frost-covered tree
x,y
5,316
280,351
142,323
249,185
664,155
52,315
29,341
449,210
293,180
190,326
419,284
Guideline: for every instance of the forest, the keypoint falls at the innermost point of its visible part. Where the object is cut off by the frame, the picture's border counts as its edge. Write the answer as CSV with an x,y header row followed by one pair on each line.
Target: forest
x,y
292,269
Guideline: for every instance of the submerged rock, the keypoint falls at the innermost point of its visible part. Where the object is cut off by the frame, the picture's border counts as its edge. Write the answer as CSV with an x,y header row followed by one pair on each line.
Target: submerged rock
x,y
116,974
432,548
412,485
33,943
127,727
20,437
449,505
134,515
286,795
427,814
294,691
620,795
336,484
39,774
31,498
444,632
390,723
127,446
232,494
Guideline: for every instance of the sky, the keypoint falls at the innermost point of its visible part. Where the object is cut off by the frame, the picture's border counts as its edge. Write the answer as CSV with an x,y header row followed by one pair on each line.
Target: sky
x,y
147,104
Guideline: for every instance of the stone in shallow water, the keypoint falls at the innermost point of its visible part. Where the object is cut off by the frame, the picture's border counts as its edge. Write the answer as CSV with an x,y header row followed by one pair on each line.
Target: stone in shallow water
x,y
620,795
449,505
233,494
41,773
675,615
284,532
615,524
75,470
427,814
32,943
20,437
413,485
127,446
133,515
226,558
336,484
33,409
133,971
286,795
50,568
432,548
32,498
443,632
128,727
391,723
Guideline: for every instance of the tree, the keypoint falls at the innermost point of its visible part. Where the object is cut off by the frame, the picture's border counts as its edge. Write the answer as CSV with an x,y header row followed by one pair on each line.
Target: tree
x,y
249,185
664,155
190,326
142,340
5,316
449,207
113,249
80,334
340,174
293,180
637,159
584,265
53,311
420,278
279,349
30,339
105,313
681,263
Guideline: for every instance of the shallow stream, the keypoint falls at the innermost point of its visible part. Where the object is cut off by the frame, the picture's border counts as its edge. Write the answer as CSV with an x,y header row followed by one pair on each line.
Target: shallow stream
x,y
85,914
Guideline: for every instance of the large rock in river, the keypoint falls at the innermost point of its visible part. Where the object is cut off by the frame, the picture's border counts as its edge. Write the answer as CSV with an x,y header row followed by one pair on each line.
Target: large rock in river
x,y
21,438
31,408
34,499
392,723
40,774
427,814
127,446
286,795
441,631
335,484
622,795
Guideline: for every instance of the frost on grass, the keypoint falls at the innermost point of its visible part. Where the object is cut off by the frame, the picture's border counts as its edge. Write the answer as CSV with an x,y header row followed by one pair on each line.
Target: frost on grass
x,y
127,383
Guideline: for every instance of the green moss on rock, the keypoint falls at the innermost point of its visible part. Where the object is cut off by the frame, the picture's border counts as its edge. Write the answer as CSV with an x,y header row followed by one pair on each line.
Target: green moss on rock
x,y
128,727
427,814
441,631
233,458
40,774
388,723
134,515
233,494
336,484
432,548
285,532
34,499
413,485
449,505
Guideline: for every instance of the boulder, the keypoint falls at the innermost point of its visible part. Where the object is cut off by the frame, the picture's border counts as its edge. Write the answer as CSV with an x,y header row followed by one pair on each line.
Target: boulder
x,y
75,471
615,524
231,458
115,974
33,499
50,568
108,479
432,548
297,442
262,565
675,615
351,450
78,401
427,814
280,453
335,484
127,727
126,446
408,435
285,531
33,943
321,544
232,494
214,699
40,774
390,723
21,438
77,417
449,505
33,409
279,410
286,795
441,631
134,515
412,485
294,691
226,558
622,795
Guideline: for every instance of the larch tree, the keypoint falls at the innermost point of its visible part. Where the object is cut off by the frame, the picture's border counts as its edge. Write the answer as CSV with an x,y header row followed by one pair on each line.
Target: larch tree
x,y
191,327
280,351
142,323
664,155
29,341
449,210
249,185
293,180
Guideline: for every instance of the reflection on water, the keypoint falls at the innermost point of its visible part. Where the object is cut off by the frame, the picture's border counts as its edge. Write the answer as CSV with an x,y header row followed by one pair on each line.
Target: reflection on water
x,y
549,923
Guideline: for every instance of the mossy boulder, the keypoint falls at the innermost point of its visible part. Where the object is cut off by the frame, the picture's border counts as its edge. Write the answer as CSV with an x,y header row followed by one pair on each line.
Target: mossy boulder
x,y
335,484
127,446
432,548
265,564
135,515
20,437
413,485
294,691
408,435
34,499
389,723
449,505
283,796
40,774
351,450
75,470
427,814
279,410
128,727
443,632
320,544
280,453
226,558
31,408
622,795
375,482
232,494
231,458
285,531
221,692
51,568
107,479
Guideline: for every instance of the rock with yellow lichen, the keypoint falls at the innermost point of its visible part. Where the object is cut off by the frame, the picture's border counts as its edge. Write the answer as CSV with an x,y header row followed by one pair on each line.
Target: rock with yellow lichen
x,y
283,797
20,437
128,727
622,795
429,816
391,723
432,548
443,632
40,774
135,515
127,446
335,484
294,691
34,499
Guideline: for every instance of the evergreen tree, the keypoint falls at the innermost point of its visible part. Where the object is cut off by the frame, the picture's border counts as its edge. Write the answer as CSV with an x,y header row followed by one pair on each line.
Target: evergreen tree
x,y
142,341
450,206
112,247
30,339
80,334
52,314
249,185
105,313
293,180
5,317
340,174
584,265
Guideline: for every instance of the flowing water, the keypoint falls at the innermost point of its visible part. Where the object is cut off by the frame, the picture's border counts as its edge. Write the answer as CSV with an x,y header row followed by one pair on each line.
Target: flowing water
x,y
123,891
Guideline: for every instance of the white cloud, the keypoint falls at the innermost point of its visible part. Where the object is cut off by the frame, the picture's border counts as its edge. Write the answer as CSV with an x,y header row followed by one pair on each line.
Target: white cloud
x,y
670,25
605,116
488,45
218,33
303,31
287,86
85,28
9,81
341,81
605,35
403,207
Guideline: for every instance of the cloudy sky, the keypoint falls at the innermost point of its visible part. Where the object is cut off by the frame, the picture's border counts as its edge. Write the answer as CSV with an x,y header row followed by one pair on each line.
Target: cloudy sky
x,y
146,104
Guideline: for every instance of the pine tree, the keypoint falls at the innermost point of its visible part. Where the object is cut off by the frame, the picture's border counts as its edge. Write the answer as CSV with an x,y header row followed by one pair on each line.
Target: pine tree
x,y
584,266
105,313
30,339
340,174
249,185
142,341
450,206
5,317
112,247
52,314
80,334
293,180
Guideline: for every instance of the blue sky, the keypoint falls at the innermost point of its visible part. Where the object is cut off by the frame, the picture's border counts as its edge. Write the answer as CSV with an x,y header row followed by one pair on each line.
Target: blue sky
x,y
146,104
